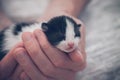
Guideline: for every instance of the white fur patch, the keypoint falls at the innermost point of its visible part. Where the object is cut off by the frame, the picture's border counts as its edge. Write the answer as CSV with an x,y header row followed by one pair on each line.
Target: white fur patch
x,y
11,40
69,31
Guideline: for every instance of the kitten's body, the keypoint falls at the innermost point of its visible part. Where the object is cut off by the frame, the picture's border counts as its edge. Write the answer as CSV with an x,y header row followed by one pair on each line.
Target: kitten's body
x,y
62,32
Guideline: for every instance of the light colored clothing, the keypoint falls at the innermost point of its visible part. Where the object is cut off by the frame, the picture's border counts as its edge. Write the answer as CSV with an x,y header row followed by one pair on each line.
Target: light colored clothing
x,y
24,10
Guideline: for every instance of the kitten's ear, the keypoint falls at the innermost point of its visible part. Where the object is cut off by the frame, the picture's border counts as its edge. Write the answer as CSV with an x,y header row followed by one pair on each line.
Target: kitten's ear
x,y
44,27
79,25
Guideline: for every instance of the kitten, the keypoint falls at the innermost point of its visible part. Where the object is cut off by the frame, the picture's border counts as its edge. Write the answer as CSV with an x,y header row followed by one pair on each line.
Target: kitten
x,y
62,32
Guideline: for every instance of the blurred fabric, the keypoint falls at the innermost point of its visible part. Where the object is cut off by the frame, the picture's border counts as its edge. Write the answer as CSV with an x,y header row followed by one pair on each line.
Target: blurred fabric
x,y
24,10
102,19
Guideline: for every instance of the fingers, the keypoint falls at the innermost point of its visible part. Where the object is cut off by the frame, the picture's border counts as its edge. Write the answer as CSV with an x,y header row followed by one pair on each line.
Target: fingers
x,y
16,73
24,76
79,59
8,61
42,61
58,58
27,65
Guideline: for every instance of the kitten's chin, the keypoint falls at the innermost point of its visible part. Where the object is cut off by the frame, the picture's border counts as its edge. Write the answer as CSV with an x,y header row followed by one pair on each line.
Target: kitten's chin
x,y
65,48
68,50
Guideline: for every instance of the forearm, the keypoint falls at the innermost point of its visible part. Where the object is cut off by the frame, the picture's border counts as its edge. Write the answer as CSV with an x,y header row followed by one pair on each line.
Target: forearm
x,y
4,21
72,7
62,7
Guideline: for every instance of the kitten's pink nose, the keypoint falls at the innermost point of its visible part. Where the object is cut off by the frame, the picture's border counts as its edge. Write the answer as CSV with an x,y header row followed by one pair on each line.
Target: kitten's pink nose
x,y
71,44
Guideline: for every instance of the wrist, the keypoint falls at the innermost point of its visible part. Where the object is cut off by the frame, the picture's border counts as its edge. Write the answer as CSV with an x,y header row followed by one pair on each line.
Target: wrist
x,y
4,22
62,7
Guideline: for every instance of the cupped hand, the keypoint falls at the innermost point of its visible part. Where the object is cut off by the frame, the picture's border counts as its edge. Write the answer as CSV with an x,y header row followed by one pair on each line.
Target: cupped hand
x,y
40,60
8,66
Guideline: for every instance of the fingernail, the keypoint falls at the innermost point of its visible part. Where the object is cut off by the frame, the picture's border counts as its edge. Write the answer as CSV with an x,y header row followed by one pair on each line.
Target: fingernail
x,y
27,36
20,56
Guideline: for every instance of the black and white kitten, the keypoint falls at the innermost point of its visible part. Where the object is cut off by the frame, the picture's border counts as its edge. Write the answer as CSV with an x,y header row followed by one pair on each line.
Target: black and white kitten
x,y
62,32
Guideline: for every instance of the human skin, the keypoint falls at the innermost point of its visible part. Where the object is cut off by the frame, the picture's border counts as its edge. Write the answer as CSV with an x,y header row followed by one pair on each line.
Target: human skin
x,y
40,60
4,21
8,65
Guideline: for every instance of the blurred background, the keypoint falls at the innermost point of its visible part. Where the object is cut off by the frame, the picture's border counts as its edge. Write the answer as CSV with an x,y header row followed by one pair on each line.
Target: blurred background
x,y
102,19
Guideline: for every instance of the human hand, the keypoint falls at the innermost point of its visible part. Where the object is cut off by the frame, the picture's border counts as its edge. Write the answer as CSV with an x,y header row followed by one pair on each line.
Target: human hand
x,y
8,69
42,61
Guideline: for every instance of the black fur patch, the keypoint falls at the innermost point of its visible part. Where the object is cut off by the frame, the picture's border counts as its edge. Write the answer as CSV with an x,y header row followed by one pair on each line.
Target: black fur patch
x,y
2,53
18,27
56,30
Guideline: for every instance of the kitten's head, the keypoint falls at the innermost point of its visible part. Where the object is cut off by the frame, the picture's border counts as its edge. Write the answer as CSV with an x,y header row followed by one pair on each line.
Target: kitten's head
x,y
62,32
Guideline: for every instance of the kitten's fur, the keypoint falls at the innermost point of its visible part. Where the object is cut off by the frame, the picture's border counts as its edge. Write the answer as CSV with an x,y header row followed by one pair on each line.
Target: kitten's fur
x,y
61,31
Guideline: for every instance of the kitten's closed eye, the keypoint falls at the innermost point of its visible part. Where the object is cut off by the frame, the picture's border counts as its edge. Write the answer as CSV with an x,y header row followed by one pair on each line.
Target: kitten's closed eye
x,y
79,25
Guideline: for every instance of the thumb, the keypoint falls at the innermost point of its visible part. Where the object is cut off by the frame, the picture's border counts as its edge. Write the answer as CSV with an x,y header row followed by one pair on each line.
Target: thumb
x,y
77,57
